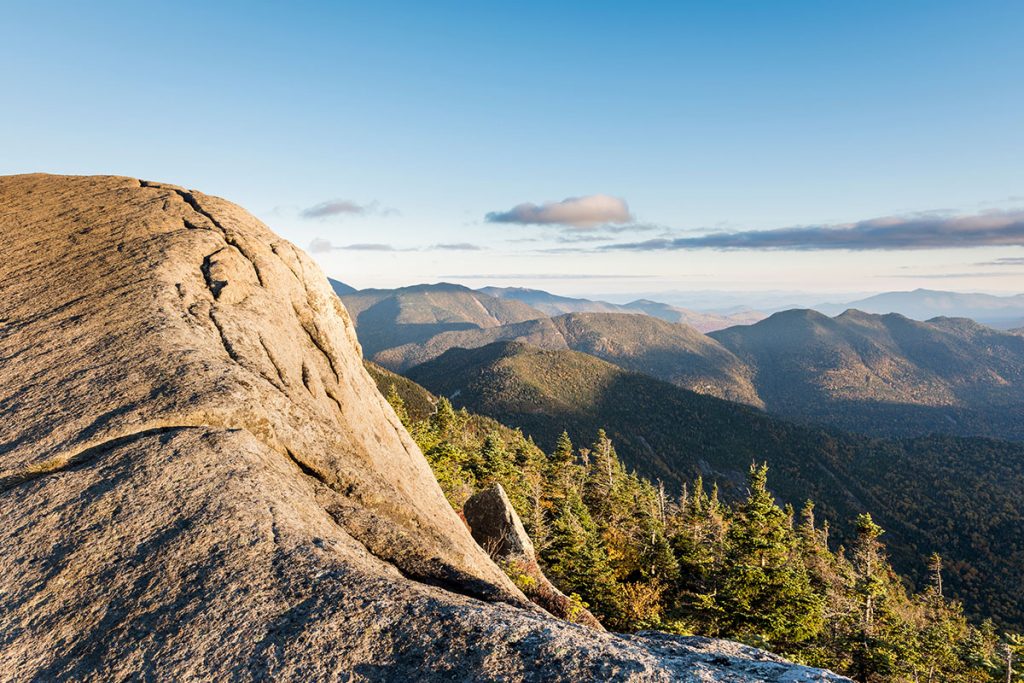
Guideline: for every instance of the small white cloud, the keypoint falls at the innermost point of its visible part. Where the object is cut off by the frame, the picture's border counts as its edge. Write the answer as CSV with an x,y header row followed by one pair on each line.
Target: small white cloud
x,y
457,246
581,213
344,207
322,246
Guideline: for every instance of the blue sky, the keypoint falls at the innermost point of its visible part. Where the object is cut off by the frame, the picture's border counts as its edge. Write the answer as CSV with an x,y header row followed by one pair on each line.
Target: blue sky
x,y
381,136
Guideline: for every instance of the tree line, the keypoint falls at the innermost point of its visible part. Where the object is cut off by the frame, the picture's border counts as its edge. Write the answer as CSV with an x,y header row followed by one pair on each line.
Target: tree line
x,y
640,557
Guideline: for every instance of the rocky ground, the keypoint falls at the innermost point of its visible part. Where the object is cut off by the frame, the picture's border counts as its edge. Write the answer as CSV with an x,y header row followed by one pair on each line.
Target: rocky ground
x,y
199,481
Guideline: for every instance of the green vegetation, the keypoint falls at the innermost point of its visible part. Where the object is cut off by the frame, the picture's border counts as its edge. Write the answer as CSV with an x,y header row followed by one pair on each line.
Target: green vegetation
x,y
956,496
387,318
880,375
640,557
417,402
885,375
675,353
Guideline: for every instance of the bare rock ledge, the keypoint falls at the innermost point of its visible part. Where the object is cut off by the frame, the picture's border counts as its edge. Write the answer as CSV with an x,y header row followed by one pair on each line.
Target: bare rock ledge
x,y
199,481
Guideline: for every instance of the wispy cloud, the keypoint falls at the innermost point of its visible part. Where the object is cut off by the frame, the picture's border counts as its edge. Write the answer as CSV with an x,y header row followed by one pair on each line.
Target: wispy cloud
x,y
943,276
606,233
566,250
457,246
917,231
579,213
1006,261
542,276
371,246
322,246
344,207
1012,199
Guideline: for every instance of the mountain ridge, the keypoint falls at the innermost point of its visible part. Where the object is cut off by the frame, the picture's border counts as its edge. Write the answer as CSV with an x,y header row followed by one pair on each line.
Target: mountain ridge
x,y
885,374
554,305
880,374
1001,312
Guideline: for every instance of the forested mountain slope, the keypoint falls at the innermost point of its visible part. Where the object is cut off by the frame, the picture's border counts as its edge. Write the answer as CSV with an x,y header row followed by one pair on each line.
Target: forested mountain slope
x,y
881,375
955,496
673,352
676,353
554,305
391,317
642,557
886,374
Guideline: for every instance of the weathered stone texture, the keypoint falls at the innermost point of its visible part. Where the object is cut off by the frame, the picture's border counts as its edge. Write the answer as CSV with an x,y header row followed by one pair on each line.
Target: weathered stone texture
x,y
199,481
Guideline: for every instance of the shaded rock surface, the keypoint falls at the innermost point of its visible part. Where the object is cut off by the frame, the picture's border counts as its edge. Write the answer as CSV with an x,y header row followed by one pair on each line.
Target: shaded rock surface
x,y
199,481
498,529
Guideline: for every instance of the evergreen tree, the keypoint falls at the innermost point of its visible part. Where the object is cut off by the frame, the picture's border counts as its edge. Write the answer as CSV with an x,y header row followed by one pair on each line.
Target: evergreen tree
x,y
869,588
398,405
444,420
577,560
764,596
563,452
697,536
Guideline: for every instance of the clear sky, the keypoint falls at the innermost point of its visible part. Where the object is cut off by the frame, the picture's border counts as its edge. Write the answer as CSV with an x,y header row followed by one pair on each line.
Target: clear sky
x,y
581,147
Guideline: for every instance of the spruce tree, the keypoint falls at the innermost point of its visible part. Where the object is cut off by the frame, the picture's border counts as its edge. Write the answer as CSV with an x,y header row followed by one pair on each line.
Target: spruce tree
x,y
764,596
869,588
444,419
563,452
577,560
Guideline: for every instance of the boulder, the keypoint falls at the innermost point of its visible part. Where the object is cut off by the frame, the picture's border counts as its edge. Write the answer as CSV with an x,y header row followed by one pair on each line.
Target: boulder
x,y
199,480
496,526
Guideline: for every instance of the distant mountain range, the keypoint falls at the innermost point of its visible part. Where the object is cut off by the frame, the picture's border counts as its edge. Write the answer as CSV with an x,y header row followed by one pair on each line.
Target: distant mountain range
x,y
552,304
883,375
546,363
1001,312
919,489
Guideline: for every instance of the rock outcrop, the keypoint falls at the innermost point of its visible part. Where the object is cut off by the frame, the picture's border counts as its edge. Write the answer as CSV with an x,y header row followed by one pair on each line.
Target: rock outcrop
x,y
498,530
199,481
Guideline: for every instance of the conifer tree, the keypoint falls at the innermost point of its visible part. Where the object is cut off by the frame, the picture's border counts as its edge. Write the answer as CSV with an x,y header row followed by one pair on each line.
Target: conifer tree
x,y
764,596
603,471
444,419
563,452
870,586
576,558
398,404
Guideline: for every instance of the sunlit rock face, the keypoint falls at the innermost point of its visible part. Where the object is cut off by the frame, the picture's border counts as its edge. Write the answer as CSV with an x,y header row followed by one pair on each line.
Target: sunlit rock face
x,y
199,481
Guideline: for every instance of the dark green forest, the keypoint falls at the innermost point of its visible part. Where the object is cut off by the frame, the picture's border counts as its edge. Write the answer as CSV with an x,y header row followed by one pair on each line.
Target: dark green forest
x,y
957,496
641,556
